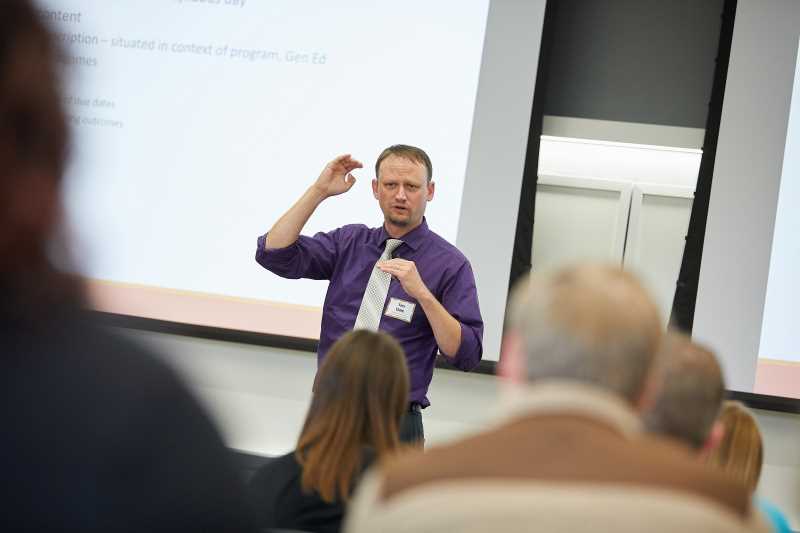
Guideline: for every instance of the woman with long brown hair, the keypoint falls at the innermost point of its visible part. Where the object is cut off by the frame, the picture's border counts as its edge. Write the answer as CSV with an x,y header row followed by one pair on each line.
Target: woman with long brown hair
x,y
360,395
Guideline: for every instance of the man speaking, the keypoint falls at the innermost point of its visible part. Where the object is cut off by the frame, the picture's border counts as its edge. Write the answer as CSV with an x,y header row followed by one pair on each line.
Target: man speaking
x,y
401,277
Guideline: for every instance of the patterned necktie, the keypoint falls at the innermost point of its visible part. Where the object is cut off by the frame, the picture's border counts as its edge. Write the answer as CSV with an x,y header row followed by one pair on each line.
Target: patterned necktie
x,y
369,314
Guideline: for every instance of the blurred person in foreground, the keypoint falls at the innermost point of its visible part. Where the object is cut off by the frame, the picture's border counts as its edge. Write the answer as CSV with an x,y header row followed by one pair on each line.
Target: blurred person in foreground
x,y
689,408
690,393
98,435
360,395
572,454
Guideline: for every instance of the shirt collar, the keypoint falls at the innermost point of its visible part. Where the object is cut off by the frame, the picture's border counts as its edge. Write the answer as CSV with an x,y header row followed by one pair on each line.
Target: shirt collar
x,y
413,238
563,397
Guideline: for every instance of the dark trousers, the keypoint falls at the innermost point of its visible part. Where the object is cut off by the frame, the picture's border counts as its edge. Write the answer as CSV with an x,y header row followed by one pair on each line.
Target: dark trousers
x,y
411,429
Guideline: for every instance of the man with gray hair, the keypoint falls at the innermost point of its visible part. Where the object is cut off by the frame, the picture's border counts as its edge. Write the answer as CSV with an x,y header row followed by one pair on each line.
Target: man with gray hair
x,y
691,390
589,324
571,453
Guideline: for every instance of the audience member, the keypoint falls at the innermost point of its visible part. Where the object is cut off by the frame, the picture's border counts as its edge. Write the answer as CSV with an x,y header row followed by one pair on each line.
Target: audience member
x,y
572,455
690,395
691,390
98,435
740,452
360,395
740,455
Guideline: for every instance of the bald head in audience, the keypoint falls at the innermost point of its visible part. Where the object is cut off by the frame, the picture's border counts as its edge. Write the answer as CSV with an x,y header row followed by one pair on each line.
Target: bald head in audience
x,y
691,390
590,324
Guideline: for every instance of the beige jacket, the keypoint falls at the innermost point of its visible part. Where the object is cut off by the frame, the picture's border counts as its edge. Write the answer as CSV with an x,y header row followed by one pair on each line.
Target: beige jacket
x,y
570,458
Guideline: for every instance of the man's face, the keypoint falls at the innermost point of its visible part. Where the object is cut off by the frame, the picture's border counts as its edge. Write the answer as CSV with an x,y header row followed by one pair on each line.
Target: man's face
x,y
402,190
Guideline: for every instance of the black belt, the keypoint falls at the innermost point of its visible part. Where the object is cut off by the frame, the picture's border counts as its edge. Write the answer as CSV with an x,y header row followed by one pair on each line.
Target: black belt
x,y
414,407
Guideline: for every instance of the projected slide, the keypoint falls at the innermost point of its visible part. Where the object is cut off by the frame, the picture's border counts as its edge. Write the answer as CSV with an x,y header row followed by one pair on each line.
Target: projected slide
x,y
198,122
779,349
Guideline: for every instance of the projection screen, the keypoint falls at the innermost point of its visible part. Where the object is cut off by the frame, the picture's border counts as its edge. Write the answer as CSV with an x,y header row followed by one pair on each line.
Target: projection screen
x,y
196,123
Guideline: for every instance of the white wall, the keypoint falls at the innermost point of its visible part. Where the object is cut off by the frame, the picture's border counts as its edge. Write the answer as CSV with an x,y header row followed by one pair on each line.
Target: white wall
x,y
497,154
744,195
780,477
611,160
259,397
623,132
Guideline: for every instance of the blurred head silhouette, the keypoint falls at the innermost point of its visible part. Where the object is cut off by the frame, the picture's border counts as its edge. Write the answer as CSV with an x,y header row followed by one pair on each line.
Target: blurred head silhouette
x,y
33,139
591,324
691,390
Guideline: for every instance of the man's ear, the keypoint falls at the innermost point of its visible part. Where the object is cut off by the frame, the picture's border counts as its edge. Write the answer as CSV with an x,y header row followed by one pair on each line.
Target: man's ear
x,y
650,391
375,188
512,365
431,190
714,439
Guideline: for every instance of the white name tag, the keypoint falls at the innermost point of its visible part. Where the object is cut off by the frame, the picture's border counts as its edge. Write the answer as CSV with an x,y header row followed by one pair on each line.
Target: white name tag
x,y
401,309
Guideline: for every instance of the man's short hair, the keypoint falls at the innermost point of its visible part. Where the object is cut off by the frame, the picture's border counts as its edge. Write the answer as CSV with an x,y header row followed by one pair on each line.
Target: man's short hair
x,y
411,153
593,324
691,391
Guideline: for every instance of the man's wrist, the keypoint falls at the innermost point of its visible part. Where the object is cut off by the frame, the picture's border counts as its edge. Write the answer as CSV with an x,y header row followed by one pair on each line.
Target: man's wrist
x,y
316,194
426,297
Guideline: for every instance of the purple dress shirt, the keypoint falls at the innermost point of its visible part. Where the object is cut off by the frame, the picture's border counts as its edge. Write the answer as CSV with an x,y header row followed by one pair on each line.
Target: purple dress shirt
x,y
346,257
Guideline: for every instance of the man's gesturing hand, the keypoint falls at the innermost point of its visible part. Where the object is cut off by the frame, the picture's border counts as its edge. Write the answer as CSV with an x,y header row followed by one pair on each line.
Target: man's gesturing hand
x,y
406,273
446,329
335,177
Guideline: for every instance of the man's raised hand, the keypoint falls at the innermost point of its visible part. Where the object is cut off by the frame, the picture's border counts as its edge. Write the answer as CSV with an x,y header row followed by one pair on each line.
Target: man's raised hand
x,y
336,178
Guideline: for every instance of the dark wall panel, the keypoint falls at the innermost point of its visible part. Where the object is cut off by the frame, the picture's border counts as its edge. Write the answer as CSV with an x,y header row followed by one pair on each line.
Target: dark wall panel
x,y
646,61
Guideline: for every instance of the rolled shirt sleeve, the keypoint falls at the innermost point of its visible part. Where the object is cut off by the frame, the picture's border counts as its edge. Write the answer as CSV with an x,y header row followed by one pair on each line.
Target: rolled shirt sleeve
x,y
307,257
460,298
